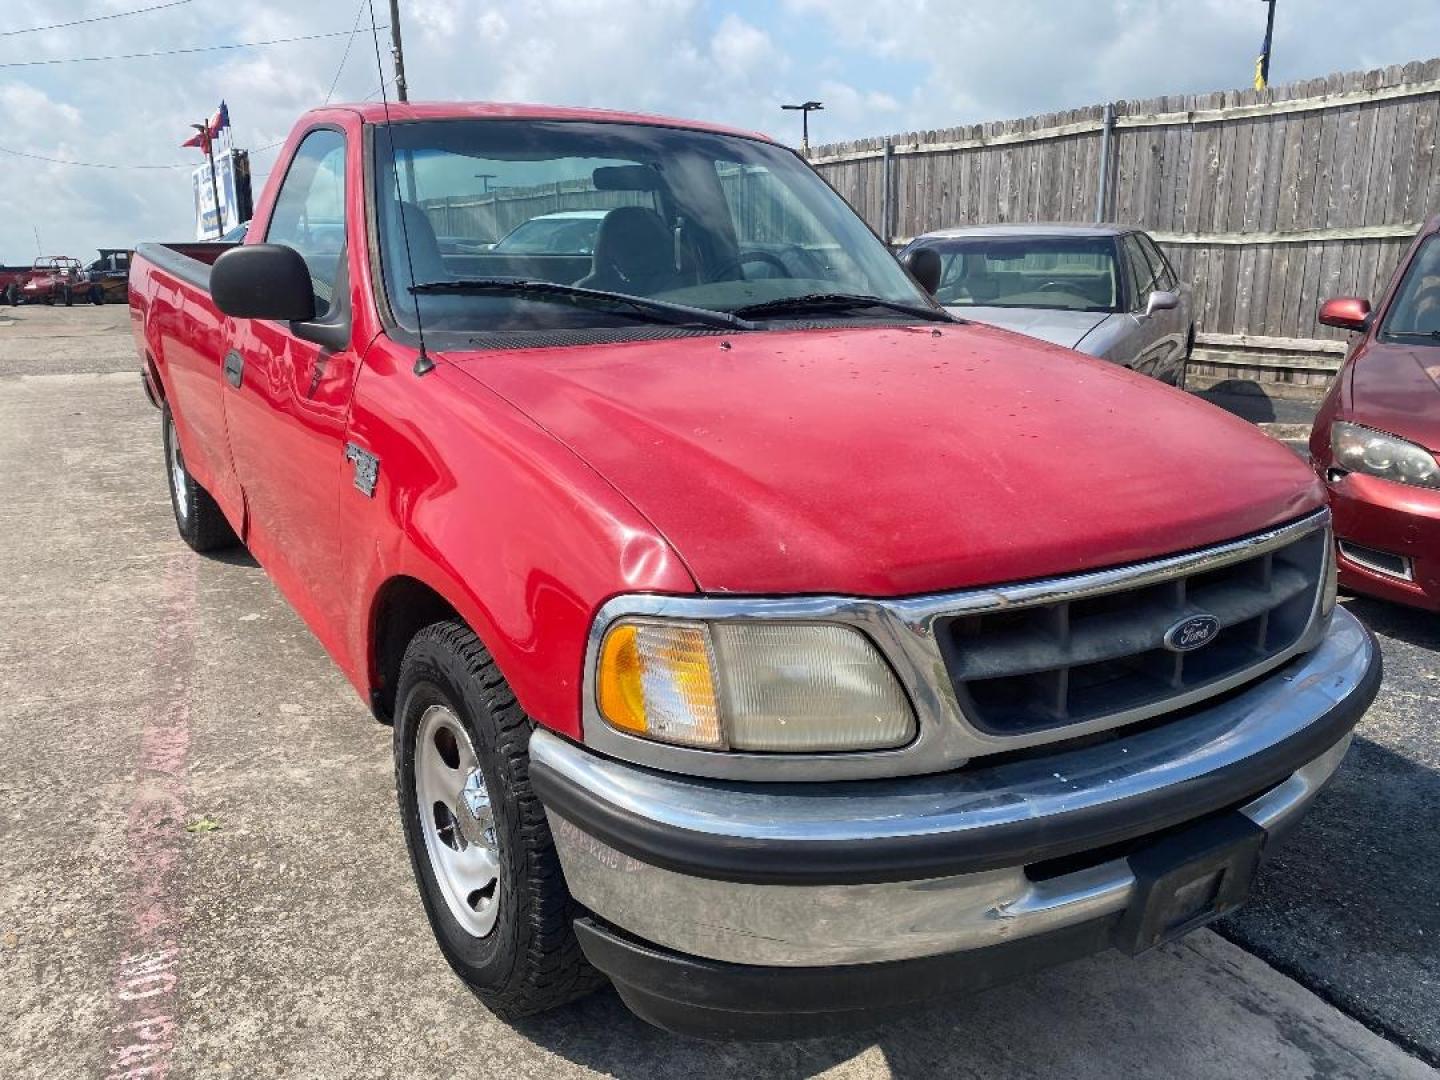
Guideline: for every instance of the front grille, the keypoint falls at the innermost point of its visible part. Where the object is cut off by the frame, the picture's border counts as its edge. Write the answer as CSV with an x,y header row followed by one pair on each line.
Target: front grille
x,y
1051,665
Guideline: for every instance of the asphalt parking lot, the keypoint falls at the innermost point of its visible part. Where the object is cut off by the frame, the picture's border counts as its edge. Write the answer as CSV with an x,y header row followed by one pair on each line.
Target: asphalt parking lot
x,y
204,874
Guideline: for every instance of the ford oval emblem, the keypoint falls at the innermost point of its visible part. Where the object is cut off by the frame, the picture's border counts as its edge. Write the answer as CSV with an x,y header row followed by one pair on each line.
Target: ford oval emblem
x,y
1192,632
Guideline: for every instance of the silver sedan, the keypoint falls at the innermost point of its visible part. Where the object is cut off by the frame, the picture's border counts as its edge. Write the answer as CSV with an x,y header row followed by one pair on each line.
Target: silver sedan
x,y
1104,290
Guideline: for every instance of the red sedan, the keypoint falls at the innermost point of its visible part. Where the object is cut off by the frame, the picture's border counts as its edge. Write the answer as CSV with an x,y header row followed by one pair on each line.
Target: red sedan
x,y
1376,438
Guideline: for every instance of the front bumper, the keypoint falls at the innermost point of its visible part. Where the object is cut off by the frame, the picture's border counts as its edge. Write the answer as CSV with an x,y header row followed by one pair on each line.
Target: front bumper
x,y
1397,519
845,894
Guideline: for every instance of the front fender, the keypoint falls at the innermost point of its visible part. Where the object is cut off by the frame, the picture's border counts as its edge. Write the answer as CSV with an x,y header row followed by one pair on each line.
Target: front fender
x,y
523,539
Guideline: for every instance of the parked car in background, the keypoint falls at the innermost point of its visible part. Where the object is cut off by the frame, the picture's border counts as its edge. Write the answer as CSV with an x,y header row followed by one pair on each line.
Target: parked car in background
x,y
54,279
12,282
566,232
1104,290
108,276
1376,438
761,640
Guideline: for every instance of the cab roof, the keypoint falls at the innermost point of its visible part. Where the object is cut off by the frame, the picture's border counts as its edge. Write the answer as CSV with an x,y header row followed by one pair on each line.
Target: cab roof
x,y
374,112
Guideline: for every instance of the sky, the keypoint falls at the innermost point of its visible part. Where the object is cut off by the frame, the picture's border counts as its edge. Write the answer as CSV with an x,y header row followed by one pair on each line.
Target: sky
x,y
879,67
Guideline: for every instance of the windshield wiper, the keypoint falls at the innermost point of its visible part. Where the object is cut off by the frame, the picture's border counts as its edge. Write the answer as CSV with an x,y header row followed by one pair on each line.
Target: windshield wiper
x,y
653,310
829,301
1414,335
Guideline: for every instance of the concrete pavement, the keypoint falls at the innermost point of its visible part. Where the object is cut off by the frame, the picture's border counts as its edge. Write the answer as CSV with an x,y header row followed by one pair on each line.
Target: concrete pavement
x,y
204,874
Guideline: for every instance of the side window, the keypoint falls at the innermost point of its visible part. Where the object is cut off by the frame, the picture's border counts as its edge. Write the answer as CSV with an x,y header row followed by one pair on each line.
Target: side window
x,y
1164,276
309,212
1141,277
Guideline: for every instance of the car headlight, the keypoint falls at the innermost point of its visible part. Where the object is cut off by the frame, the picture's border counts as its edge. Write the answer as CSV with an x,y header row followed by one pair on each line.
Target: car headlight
x,y
1360,449
782,687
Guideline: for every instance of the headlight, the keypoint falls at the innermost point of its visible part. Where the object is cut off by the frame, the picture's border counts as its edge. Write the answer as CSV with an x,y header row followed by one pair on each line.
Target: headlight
x,y
782,687
1359,449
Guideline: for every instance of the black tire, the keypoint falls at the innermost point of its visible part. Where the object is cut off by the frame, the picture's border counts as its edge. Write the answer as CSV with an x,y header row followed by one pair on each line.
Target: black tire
x,y
198,519
12,294
97,295
69,297
530,961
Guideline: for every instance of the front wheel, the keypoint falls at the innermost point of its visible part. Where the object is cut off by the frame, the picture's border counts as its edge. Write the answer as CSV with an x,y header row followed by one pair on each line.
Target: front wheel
x,y
479,843
197,516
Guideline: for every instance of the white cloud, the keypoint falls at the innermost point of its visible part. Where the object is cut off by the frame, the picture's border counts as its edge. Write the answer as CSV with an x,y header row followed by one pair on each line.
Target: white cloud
x,y
27,107
880,68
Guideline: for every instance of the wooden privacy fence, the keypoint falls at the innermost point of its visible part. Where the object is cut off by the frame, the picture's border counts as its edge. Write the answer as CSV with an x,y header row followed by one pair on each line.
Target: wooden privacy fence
x,y
1266,201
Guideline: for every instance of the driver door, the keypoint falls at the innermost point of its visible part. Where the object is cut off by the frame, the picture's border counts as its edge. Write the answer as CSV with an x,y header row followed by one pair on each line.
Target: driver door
x,y
288,408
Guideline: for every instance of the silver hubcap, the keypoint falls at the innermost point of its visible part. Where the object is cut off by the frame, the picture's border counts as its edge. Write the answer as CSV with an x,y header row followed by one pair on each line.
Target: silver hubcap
x,y
457,821
177,476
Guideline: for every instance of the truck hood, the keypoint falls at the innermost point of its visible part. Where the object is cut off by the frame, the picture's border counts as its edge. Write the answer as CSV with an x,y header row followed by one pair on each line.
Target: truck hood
x,y
1065,328
1396,388
899,460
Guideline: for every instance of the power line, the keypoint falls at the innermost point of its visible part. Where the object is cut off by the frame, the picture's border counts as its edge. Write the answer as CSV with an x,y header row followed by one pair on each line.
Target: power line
x,y
175,52
87,164
373,94
93,19
349,41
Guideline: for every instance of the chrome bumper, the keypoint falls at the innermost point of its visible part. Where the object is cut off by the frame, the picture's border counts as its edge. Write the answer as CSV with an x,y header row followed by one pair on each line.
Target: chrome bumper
x,y
834,874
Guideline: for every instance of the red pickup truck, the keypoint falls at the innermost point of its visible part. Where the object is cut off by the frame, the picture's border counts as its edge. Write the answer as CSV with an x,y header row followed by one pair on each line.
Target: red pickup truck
x,y
755,634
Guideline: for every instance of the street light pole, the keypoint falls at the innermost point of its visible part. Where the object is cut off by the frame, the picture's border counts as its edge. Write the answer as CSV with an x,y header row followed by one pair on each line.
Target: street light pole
x,y
805,109
397,50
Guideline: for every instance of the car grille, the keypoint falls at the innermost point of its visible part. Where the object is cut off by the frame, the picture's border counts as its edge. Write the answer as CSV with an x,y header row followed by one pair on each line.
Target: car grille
x,y
1077,661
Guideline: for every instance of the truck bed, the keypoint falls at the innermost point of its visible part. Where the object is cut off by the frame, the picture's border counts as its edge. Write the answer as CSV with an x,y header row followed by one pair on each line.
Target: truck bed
x,y
189,261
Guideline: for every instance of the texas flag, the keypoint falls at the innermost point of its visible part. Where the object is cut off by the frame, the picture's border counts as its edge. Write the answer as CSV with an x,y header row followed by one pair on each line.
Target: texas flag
x,y
216,124
220,121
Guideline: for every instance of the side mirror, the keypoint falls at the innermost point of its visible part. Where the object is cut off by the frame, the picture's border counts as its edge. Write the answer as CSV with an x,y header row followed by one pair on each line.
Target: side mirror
x,y
1346,312
924,266
1162,300
263,281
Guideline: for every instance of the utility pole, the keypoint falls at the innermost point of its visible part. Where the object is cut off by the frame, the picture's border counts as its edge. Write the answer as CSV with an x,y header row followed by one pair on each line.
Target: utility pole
x,y
207,144
397,50
804,109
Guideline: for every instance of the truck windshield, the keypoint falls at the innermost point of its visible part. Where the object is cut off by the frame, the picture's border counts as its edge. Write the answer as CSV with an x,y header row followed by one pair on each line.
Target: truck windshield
x,y
1057,272
696,220
1415,314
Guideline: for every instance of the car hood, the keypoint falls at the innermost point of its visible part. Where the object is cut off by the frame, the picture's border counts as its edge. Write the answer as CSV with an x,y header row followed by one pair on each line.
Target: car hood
x,y
1065,328
899,460
1396,388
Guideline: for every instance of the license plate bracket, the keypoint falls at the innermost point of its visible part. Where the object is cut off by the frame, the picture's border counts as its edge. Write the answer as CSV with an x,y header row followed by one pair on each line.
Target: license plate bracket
x,y
1189,878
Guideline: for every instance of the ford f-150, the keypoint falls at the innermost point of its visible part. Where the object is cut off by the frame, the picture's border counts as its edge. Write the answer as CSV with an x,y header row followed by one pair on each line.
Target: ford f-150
x,y
755,634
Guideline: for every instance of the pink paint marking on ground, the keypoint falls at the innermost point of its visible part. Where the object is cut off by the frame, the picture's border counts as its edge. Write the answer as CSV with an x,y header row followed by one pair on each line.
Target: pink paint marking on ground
x,y
146,975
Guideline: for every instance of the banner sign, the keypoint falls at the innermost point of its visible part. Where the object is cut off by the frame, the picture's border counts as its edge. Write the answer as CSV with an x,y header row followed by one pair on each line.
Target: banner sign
x,y
232,183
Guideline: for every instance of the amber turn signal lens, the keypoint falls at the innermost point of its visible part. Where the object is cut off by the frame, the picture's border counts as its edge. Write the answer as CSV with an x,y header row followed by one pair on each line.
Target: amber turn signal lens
x,y
657,680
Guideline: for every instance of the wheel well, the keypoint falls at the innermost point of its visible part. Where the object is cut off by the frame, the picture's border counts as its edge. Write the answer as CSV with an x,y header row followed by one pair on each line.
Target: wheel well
x,y
404,606
153,383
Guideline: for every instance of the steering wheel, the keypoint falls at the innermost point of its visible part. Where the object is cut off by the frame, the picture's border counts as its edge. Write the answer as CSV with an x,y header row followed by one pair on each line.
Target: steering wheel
x,y
1056,286
736,265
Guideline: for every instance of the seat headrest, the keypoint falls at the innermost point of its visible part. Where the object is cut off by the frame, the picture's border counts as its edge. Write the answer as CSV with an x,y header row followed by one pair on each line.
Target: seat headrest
x,y
634,242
